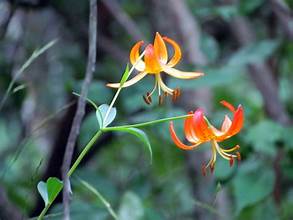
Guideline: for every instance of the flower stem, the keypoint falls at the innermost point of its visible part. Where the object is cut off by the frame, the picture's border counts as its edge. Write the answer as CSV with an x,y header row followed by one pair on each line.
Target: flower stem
x,y
84,152
147,123
44,211
120,88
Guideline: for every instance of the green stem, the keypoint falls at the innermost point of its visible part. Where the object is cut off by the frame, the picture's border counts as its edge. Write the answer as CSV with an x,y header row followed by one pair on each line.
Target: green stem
x,y
84,152
44,211
147,123
121,86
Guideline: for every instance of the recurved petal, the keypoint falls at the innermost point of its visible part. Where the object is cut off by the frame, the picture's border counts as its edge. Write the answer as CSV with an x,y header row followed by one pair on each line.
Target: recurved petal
x,y
129,82
201,127
228,105
178,142
160,48
189,131
151,60
236,125
180,74
177,52
134,55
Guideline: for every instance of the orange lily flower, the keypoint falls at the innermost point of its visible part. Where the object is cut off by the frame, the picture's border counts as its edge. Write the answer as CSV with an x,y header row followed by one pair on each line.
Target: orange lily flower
x,y
156,60
198,130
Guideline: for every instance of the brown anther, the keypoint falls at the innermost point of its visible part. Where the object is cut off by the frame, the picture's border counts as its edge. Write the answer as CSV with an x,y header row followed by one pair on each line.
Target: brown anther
x,y
149,96
203,170
166,94
174,95
237,147
212,167
231,161
147,99
161,100
238,156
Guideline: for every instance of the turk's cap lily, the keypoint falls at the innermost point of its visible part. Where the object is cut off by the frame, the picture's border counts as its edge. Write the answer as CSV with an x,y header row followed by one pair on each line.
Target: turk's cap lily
x,y
198,130
155,61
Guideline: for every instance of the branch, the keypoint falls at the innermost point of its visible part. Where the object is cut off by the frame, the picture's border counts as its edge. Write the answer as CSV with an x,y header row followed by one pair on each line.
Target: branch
x,y
261,74
124,20
80,106
189,29
284,16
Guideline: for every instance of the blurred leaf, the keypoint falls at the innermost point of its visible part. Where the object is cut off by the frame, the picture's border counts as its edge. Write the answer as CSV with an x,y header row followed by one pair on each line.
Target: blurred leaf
x,y
253,182
262,210
88,129
131,207
254,53
223,169
218,76
287,135
247,7
100,197
101,114
263,136
138,133
50,189
227,12
210,47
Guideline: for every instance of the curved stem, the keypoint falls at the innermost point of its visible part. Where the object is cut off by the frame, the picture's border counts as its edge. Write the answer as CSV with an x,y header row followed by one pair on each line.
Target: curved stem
x,y
147,123
84,152
44,211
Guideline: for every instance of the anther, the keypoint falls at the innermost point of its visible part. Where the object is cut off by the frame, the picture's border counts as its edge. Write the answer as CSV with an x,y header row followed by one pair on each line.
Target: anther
x,y
176,93
231,161
147,99
203,170
212,167
161,99
238,156
149,96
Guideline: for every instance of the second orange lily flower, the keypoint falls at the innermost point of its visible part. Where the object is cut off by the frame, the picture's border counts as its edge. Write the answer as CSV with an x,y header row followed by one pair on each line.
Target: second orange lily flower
x,y
155,62
198,130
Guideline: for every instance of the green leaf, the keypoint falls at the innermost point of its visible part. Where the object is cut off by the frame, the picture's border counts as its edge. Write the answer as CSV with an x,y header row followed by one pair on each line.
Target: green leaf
x,y
54,186
42,188
131,207
139,134
50,189
247,7
254,53
125,76
253,183
101,114
263,136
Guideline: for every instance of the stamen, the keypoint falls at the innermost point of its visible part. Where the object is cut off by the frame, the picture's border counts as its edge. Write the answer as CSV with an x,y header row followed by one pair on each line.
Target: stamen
x,y
147,99
212,167
231,161
238,156
203,170
175,94
149,95
161,99
237,147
